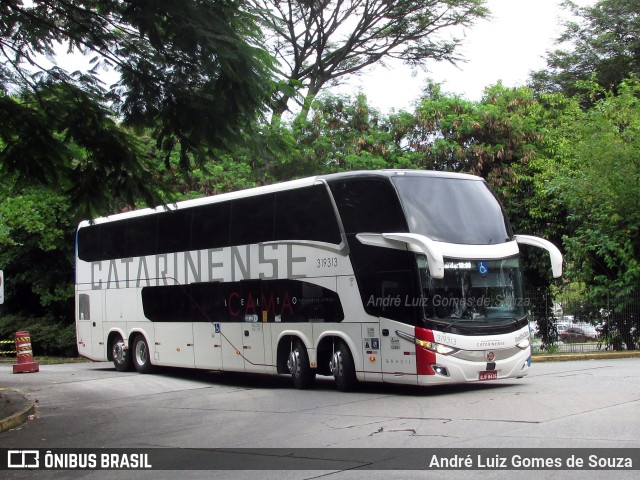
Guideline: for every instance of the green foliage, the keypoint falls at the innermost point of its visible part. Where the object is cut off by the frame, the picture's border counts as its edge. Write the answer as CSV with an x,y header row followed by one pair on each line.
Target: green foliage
x,y
598,185
63,136
184,121
190,72
36,252
48,335
602,44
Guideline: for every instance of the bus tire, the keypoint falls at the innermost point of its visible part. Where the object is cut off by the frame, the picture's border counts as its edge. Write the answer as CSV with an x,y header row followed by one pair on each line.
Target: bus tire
x,y
121,355
302,374
140,355
343,368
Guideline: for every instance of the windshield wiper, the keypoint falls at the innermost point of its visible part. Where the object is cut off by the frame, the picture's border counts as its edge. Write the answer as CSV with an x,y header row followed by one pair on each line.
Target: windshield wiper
x,y
449,326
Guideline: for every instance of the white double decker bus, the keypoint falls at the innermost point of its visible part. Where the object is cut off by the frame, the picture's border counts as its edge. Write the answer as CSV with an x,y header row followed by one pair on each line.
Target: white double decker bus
x,y
384,276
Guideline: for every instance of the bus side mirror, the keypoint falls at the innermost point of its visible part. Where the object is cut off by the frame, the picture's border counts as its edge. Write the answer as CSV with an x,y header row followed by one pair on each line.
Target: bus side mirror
x,y
554,253
408,241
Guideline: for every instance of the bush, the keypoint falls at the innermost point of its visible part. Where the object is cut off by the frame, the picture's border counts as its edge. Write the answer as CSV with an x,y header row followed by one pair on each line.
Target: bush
x,y
48,337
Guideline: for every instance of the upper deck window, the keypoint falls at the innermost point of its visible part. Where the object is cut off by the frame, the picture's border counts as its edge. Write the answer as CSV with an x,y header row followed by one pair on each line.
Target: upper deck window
x,y
453,210
368,205
304,214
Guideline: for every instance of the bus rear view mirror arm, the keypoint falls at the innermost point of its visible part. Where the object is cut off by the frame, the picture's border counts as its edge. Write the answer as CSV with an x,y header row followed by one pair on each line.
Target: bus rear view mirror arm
x,y
554,252
409,241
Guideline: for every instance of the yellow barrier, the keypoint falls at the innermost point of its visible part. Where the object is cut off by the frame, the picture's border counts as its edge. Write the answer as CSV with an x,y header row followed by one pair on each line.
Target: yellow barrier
x,y
7,352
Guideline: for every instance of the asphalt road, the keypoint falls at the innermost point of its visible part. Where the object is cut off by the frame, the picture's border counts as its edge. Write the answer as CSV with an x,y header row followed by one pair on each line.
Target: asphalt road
x,y
591,404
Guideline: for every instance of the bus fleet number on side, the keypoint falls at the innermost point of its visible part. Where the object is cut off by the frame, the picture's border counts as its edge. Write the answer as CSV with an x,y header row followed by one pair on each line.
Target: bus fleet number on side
x,y
327,262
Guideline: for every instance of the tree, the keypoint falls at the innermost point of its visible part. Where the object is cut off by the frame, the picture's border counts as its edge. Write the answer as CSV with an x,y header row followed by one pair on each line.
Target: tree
x,y
189,70
320,42
36,254
346,134
502,138
598,185
603,44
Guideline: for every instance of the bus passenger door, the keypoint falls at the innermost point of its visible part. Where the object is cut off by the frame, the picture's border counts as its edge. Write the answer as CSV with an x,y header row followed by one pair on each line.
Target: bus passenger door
x,y
398,354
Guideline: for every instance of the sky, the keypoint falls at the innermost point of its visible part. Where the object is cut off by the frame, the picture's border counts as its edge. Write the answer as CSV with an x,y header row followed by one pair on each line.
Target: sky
x,y
504,48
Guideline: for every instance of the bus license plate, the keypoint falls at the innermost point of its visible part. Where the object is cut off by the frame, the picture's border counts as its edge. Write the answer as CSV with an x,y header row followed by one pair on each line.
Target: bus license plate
x,y
489,375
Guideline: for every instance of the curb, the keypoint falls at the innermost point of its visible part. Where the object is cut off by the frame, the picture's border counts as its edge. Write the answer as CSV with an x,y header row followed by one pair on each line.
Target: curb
x,y
566,357
20,417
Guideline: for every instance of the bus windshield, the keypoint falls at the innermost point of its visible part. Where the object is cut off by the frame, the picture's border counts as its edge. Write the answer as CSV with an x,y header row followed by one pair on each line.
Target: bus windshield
x,y
452,210
472,291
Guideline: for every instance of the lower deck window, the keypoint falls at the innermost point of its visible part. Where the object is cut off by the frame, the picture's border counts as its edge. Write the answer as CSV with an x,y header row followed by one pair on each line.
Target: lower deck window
x,y
245,301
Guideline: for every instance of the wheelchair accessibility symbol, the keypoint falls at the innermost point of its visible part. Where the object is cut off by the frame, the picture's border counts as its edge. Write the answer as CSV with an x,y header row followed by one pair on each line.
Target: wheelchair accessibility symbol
x,y
483,268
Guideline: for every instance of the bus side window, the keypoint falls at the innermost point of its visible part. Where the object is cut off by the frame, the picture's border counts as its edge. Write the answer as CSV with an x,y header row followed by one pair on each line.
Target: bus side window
x,y
252,220
369,206
84,307
210,226
397,301
174,231
141,235
306,214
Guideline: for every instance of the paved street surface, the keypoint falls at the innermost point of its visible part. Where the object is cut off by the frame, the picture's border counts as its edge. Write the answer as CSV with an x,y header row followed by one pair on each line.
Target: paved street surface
x,y
585,404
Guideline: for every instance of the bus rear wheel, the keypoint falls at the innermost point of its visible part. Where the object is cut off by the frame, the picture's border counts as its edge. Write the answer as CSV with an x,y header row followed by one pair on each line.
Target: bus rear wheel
x,y
141,355
121,355
343,368
298,364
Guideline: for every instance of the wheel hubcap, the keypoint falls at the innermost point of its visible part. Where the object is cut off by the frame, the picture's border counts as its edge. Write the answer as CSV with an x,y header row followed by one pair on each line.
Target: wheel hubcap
x,y
293,362
118,351
335,366
141,353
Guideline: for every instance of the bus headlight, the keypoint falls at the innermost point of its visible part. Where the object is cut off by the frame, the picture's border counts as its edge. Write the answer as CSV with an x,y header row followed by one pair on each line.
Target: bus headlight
x,y
524,344
436,347
427,345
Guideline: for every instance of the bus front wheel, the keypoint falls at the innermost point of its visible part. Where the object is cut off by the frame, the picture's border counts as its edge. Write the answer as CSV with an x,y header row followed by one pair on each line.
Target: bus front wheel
x,y
342,368
121,355
141,355
298,363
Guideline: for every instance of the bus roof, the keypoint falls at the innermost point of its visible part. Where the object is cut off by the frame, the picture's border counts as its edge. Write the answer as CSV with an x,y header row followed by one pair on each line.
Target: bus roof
x,y
396,173
277,187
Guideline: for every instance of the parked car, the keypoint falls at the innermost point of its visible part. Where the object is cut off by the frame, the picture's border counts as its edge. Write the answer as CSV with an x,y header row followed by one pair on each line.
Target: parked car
x,y
574,334
589,329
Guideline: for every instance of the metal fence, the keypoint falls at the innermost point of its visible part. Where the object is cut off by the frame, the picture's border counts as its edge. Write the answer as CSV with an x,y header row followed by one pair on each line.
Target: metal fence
x,y
569,323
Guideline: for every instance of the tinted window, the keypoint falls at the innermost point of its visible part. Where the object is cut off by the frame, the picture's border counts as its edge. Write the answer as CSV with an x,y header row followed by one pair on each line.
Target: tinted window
x,y
246,301
252,220
210,226
174,231
84,307
89,243
102,242
453,210
302,214
385,275
368,205
306,214
141,235
198,302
